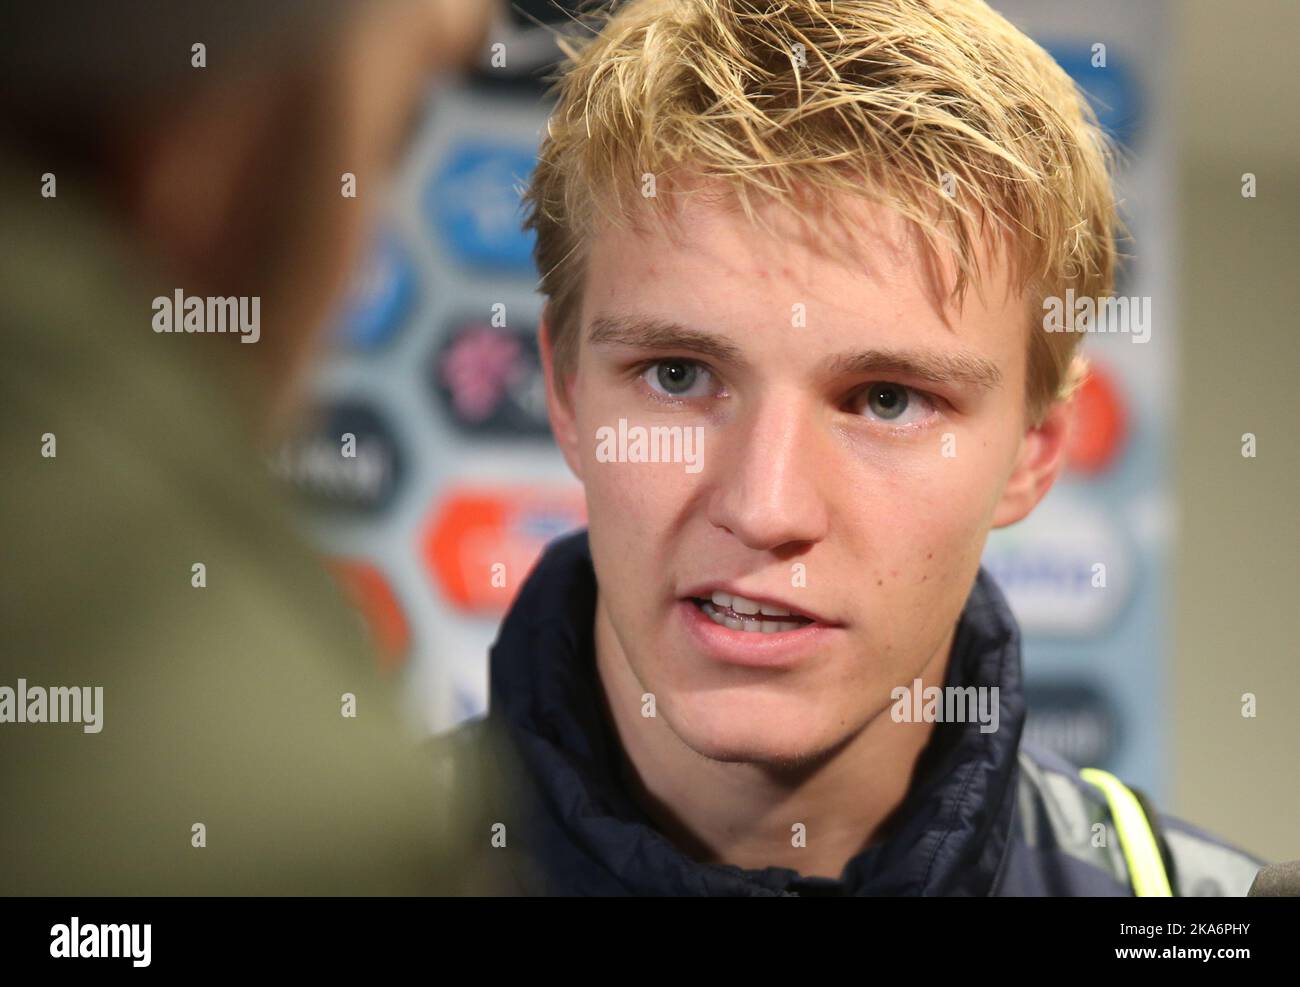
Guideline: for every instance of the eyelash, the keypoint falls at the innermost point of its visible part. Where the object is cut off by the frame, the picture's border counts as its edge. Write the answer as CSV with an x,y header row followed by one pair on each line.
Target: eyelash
x,y
638,372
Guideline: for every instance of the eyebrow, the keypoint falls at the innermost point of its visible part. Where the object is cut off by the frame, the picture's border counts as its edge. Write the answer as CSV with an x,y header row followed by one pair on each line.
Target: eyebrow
x,y
937,368
656,334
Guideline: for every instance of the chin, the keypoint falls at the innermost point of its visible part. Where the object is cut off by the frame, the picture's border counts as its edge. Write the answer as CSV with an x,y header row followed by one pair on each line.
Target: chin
x,y
770,731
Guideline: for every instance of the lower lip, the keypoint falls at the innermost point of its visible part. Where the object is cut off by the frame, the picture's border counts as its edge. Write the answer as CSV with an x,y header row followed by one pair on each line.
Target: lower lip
x,y
754,649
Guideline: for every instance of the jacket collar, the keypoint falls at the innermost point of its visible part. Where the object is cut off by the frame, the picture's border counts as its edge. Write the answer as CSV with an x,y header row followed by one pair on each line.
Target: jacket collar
x,y
949,837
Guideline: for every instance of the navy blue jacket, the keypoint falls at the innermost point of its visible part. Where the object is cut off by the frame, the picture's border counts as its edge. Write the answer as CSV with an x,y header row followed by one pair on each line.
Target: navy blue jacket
x,y
986,813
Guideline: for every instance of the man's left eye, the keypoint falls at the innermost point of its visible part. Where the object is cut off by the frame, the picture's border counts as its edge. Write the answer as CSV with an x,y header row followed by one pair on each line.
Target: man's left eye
x,y
894,403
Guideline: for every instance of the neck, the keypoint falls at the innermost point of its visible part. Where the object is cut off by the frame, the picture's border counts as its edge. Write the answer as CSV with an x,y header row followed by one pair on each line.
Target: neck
x,y
745,813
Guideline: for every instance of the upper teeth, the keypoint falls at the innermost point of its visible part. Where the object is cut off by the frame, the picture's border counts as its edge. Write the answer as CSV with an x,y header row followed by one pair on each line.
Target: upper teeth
x,y
741,605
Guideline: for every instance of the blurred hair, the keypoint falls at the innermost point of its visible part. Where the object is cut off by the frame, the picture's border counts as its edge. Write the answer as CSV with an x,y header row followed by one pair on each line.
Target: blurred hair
x,y
888,98
73,70
92,88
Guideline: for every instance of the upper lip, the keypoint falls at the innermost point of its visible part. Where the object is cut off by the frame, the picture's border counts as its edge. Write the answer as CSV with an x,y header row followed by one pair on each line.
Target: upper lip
x,y
705,591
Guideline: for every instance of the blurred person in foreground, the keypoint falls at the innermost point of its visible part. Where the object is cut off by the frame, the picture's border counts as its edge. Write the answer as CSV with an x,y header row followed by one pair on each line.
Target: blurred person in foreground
x,y
795,257
217,758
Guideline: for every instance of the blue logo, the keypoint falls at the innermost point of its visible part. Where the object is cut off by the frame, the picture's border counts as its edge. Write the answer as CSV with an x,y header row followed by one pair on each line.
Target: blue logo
x,y
1112,90
473,203
381,296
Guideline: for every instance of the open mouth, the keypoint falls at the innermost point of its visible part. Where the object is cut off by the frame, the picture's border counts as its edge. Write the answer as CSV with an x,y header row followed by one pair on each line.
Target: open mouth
x,y
741,614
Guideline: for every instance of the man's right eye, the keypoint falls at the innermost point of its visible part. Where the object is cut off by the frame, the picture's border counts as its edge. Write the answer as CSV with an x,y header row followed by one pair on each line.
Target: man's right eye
x,y
677,378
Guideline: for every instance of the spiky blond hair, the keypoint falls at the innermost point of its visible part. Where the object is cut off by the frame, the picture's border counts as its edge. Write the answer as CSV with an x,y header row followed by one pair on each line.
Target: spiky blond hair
x,y
938,109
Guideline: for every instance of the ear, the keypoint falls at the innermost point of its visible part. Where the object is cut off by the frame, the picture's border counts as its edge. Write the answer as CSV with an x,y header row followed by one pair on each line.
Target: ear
x,y
1039,462
559,404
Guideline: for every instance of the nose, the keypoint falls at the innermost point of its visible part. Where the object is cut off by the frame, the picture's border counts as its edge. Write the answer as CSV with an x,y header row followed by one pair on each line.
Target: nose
x,y
767,485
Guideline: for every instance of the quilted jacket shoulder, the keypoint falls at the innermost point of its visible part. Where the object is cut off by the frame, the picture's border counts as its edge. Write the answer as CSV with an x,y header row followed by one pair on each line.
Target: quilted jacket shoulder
x,y
1064,841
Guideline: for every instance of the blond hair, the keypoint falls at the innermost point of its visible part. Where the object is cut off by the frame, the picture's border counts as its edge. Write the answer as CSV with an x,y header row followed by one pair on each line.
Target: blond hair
x,y
899,101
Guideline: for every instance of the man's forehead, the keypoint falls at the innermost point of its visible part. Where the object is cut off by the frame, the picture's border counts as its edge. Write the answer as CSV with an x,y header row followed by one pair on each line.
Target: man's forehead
x,y
859,282
808,245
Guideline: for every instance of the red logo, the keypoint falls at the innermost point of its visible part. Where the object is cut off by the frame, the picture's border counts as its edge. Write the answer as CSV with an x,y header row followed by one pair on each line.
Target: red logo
x,y
482,542
368,590
1100,424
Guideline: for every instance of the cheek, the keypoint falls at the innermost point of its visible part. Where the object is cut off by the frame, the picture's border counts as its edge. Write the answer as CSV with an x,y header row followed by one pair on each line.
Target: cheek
x,y
957,503
631,506
923,525
644,498
642,502
962,489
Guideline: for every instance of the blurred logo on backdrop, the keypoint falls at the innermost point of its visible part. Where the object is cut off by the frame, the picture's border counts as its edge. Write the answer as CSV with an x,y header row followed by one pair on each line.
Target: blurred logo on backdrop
x,y
380,297
1074,719
370,592
481,542
1066,569
1102,72
489,380
344,458
1100,425
473,203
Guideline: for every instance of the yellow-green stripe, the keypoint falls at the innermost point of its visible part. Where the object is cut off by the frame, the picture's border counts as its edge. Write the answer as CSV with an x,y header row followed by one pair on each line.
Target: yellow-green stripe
x,y
1146,869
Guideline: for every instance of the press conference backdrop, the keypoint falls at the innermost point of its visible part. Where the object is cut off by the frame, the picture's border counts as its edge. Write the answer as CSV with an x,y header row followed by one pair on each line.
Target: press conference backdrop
x,y
455,485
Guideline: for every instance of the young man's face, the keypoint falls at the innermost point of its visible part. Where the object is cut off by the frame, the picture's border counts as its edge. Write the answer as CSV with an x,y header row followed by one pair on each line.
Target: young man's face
x,y
856,450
